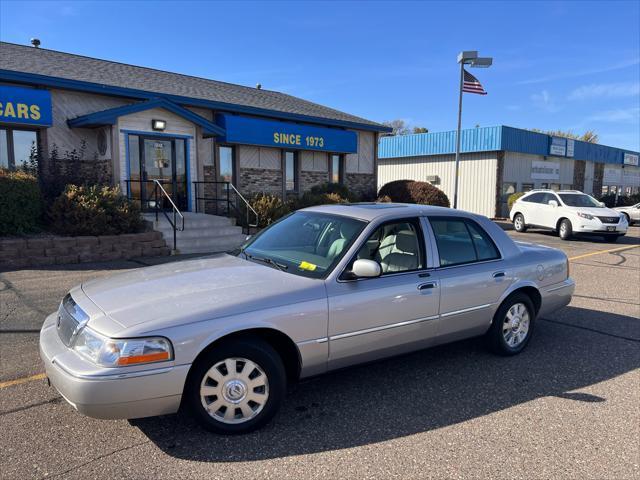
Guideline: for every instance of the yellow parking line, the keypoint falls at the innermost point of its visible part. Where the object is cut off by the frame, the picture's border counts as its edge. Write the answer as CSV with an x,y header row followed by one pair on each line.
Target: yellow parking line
x,y
604,251
18,381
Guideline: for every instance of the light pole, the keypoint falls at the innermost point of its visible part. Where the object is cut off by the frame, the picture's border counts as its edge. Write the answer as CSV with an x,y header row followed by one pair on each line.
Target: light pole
x,y
465,58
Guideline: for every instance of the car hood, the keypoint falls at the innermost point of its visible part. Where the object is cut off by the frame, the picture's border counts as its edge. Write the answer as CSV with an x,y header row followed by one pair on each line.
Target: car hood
x,y
596,211
195,290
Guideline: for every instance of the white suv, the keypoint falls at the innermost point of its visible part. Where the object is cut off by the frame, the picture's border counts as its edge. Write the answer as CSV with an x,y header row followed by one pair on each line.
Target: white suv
x,y
567,212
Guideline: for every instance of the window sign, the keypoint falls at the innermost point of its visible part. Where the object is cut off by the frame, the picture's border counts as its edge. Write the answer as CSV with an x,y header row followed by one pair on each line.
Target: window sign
x,y
558,146
541,170
571,143
25,106
612,175
630,159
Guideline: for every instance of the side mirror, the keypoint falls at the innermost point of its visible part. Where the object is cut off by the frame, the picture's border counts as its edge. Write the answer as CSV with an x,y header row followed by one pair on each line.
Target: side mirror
x,y
602,204
364,268
553,203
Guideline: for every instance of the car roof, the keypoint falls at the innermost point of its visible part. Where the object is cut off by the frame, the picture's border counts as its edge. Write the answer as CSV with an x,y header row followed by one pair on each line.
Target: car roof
x,y
372,211
549,190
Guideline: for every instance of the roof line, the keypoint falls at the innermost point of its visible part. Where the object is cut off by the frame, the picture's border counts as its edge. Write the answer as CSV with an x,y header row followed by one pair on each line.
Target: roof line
x,y
79,85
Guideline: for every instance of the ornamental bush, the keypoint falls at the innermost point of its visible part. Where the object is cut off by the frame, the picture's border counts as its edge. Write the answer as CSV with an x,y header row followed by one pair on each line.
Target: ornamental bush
x,y
20,203
269,208
94,210
310,199
623,200
337,188
411,191
513,197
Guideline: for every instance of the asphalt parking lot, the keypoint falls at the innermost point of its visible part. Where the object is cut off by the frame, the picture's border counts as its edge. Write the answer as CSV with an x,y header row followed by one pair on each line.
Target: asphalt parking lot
x,y
567,407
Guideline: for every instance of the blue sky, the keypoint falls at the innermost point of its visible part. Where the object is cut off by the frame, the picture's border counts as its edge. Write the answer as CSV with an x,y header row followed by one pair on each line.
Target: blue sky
x,y
557,65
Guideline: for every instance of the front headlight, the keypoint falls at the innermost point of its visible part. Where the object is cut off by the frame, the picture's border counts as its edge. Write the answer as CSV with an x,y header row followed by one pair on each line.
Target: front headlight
x,y
585,215
117,352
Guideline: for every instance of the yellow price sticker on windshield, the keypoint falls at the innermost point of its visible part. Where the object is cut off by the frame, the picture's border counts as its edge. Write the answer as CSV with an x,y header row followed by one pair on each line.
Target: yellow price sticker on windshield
x,y
307,266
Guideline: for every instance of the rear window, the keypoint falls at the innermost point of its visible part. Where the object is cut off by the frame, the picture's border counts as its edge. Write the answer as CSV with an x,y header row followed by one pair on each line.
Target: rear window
x,y
461,241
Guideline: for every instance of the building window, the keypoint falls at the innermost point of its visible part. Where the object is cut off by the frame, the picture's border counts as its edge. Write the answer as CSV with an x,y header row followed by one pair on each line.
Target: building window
x,y
544,186
507,189
555,187
225,164
527,187
16,147
290,171
336,168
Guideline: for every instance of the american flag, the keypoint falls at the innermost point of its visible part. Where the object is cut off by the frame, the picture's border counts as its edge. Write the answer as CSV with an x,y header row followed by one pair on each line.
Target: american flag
x,y
472,85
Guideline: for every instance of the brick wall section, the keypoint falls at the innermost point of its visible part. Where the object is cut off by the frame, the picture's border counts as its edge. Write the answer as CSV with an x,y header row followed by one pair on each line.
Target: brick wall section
x,y
362,184
598,178
258,180
310,179
579,167
39,251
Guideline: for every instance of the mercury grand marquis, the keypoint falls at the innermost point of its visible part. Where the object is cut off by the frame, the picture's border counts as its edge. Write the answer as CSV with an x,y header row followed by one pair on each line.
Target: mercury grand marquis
x,y
323,288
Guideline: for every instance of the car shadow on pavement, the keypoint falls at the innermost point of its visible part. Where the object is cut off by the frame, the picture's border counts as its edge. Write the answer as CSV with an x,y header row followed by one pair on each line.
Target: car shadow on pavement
x,y
415,393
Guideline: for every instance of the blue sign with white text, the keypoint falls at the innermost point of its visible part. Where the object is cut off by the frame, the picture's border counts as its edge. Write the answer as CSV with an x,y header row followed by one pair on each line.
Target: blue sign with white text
x,y
25,106
271,133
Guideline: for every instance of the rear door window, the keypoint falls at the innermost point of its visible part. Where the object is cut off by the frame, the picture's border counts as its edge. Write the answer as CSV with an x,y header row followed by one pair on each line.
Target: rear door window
x,y
461,241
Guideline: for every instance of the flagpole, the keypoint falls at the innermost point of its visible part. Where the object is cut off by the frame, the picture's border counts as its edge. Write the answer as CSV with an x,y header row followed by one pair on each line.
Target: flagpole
x,y
455,187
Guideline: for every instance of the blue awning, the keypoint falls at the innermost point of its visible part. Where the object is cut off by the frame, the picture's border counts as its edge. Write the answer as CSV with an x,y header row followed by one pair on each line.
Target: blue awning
x,y
273,133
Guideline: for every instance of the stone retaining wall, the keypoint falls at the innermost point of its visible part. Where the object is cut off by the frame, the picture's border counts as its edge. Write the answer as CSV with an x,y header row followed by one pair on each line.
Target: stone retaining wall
x,y
51,250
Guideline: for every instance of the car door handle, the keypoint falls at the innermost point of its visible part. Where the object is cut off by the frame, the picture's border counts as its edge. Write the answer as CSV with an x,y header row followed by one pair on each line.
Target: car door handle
x,y
425,286
498,274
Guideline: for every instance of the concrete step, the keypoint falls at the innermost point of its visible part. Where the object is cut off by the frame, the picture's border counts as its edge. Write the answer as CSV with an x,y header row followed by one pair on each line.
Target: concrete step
x,y
200,232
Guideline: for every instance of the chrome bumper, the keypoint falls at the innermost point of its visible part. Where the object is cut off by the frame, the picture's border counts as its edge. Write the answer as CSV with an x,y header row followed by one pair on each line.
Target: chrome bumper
x,y
103,393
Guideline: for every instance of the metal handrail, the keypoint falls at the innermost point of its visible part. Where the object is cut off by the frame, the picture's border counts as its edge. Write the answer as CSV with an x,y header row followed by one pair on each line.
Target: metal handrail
x,y
175,211
248,205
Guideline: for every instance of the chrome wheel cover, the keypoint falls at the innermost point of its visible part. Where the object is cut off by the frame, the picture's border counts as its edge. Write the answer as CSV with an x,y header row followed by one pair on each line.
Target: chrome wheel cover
x,y
234,390
563,228
516,325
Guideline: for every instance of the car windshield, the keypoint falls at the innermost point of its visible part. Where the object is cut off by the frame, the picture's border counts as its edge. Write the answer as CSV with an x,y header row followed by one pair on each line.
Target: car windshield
x,y
579,200
304,243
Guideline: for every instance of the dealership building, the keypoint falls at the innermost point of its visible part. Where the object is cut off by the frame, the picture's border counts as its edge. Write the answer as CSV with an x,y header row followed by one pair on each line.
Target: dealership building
x,y
498,161
133,125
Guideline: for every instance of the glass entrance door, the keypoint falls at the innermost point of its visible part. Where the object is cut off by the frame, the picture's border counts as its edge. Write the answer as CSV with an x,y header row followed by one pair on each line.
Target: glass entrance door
x,y
162,159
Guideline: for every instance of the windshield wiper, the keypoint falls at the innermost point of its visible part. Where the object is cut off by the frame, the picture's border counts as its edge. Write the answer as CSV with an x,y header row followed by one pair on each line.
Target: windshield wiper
x,y
268,261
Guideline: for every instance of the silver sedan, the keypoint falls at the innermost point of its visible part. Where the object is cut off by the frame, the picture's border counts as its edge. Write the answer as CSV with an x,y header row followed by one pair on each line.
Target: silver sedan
x,y
324,288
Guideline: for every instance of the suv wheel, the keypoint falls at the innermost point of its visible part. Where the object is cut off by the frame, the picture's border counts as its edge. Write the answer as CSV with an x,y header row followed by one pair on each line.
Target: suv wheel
x,y
518,223
565,229
237,387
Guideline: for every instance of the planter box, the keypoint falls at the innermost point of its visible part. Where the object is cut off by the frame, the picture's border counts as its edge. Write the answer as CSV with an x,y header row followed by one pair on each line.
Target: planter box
x,y
27,252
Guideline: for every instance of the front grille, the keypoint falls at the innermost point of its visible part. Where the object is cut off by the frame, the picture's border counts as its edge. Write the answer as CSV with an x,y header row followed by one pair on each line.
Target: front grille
x,y
609,219
66,325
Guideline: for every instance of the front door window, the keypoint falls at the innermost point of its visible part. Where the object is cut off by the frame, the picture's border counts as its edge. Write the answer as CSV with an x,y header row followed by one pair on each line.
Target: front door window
x,y
157,159
226,164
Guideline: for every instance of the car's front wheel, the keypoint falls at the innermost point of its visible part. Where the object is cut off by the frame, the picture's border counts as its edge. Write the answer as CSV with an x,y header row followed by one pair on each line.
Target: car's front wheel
x,y
512,325
565,230
518,223
236,387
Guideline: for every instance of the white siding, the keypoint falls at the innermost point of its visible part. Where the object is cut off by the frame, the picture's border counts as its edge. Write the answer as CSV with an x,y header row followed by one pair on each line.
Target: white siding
x,y
141,121
363,161
477,181
259,157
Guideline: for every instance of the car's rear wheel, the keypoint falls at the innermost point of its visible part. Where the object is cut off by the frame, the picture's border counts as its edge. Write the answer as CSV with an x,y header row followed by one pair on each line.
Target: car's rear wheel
x,y
236,387
518,223
565,230
512,325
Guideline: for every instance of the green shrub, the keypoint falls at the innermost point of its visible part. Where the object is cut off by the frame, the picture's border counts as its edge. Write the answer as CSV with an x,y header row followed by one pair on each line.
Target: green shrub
x,y
337,188
269,208
94,210
310,199
513,197
20,203
410,191
623,200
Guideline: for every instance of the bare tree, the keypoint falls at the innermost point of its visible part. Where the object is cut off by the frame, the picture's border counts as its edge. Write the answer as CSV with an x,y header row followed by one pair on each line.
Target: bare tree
x,y
400,127
589,136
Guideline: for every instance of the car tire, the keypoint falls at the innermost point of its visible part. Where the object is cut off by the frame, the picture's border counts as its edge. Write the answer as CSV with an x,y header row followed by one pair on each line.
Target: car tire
x,y
518,223
565,229
512,325
254,391
629,222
